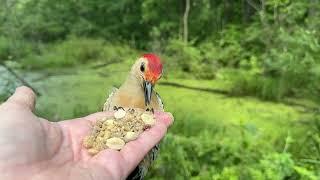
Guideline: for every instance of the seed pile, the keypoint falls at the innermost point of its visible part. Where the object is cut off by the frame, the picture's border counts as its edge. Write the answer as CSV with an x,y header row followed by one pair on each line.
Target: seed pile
x,y
114,132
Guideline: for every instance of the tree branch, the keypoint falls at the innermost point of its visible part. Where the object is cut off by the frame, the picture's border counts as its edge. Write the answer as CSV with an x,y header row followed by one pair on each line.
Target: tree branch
x,y
255,6
24,82
185,22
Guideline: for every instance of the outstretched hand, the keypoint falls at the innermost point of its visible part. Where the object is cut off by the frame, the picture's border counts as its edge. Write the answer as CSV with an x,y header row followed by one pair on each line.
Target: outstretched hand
x,y
34,148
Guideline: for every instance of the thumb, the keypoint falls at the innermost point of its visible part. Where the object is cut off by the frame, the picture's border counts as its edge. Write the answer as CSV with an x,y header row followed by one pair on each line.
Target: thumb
x,y
23,97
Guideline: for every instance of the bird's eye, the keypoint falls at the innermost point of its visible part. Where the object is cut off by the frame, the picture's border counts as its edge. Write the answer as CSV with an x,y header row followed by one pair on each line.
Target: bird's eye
x,y
142,67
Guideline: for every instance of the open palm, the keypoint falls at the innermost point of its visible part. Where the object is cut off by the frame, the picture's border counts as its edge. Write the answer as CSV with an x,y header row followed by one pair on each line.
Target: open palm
x,y
34,148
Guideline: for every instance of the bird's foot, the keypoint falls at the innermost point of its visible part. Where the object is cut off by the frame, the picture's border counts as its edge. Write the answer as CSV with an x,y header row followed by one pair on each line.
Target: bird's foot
x,y
131,110
150,110
116,108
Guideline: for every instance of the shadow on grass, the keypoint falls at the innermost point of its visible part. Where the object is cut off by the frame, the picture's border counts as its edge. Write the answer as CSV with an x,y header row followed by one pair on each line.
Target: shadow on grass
x,y
229,94
215,91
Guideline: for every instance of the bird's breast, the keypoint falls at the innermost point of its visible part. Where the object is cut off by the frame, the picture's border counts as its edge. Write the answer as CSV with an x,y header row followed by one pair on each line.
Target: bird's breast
x,y
131,100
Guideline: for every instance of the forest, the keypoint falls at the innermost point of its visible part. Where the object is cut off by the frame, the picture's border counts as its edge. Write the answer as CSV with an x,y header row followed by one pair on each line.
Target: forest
x,y
241,77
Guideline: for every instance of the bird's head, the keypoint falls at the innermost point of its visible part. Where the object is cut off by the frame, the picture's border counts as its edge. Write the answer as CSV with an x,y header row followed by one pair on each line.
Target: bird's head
x,y
148,69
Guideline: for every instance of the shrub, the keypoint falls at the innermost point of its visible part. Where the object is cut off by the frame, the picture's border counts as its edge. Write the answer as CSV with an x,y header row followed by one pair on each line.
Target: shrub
x,y
71,52
76,51
14,49
188,59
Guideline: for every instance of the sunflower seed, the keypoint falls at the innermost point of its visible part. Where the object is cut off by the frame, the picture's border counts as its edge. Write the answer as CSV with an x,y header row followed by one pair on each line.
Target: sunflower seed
x,y
130,136
93,151
120,114
148,119
115,143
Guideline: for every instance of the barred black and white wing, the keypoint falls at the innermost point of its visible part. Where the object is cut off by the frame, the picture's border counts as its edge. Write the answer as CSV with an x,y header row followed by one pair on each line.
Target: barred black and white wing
x,y
107,104
141,170
160,101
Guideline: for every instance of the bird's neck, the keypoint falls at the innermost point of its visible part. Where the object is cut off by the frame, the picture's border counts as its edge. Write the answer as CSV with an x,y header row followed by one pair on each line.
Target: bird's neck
x,y
132,83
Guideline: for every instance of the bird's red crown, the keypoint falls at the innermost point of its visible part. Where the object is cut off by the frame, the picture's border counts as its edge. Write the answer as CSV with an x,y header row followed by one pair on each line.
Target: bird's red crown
x,y
154,64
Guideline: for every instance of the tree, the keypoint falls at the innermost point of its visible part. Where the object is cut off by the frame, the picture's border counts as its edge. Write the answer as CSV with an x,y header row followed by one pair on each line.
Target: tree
x,y
185,22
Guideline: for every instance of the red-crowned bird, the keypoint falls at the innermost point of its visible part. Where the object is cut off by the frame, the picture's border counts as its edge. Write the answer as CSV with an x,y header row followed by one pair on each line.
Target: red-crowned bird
x,y
138,92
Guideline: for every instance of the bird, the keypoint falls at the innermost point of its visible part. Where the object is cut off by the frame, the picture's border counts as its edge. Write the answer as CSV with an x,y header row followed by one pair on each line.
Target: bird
x,y
137,91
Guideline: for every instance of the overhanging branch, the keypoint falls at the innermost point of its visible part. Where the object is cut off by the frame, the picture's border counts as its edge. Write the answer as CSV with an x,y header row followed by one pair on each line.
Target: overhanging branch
x,y
254,5
23,81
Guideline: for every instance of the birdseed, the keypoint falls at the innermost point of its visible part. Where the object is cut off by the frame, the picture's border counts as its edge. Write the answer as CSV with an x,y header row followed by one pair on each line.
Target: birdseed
x,y
120,114
114,132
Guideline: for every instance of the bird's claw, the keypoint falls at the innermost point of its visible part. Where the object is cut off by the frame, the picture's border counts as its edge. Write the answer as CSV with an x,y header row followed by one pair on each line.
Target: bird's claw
x,y
115,108
150,110
131,110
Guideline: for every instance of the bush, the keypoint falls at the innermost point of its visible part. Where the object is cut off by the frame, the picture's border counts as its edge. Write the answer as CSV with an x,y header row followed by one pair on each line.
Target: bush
x,y
289,67
221,157
188,59
76,51
71,52
245,84
14,49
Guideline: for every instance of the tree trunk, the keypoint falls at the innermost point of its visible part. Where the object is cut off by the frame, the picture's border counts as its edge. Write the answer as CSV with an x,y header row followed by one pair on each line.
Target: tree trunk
x,y
181,13
185,22
313,8
261,10
313,13
227,12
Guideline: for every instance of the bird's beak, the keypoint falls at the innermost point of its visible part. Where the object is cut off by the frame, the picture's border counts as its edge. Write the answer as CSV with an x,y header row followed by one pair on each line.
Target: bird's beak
x,y
147,86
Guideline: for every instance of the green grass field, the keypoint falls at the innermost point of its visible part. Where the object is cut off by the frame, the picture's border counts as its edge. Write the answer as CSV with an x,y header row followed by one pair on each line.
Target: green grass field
x,y
242,127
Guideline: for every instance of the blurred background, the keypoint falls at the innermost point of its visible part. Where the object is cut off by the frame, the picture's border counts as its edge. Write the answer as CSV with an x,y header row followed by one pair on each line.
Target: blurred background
x,y
241,76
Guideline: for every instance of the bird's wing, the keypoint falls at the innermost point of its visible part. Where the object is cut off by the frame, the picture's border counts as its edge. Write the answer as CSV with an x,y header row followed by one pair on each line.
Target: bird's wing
x,y
107,104
141,170
160,102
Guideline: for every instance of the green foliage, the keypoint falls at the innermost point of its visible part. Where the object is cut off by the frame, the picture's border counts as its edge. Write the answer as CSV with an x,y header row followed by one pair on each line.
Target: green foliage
x,y
275,166
14,49
189,59
184,57
215,156
244,83
68,53
77,51
273,68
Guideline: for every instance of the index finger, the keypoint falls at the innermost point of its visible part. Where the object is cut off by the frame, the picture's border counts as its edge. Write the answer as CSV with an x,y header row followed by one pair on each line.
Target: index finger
x,y
134,151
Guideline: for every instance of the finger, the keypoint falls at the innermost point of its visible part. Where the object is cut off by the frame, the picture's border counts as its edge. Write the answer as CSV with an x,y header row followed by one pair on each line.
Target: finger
x,y
166,117
23,97
134,151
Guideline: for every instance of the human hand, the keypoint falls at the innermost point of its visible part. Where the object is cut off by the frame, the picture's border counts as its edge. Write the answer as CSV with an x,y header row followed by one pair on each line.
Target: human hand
x,y
34,148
